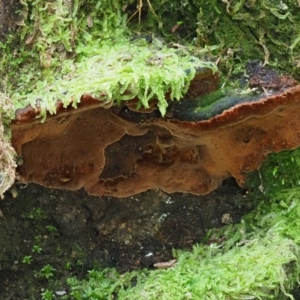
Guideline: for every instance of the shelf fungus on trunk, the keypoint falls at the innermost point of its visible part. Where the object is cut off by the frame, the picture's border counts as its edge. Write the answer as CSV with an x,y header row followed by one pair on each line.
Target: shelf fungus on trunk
x,y
120,152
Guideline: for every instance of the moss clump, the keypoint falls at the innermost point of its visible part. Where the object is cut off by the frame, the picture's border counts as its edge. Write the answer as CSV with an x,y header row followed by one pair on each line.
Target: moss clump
x,y
115,72
279,171
232,32
267,30
57,38
69,48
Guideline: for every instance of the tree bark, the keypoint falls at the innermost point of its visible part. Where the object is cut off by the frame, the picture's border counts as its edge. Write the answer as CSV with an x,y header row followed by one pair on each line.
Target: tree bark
x,y
10,17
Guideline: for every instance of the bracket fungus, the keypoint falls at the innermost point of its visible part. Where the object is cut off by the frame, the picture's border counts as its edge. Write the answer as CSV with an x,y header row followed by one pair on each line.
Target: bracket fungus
x,y
119,152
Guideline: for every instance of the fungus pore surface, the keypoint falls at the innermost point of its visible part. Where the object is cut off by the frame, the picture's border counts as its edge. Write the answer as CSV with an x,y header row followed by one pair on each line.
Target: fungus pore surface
x,y
120,152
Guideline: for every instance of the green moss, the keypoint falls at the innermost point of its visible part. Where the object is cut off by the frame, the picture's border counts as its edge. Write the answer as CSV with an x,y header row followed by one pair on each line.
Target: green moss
x,y
69,48
115,72
57,38
54,36
266,30
279,171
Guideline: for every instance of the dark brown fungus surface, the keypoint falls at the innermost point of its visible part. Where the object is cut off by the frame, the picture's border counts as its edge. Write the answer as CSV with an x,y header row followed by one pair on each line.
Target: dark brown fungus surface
x,y
120,152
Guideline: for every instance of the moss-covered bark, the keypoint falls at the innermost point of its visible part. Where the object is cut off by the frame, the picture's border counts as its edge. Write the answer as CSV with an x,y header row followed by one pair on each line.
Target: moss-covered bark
x,y
60,43
44,35
268,30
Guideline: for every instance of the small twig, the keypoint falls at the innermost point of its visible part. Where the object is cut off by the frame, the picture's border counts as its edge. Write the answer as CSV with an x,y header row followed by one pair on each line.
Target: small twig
x,y
139,10
165,265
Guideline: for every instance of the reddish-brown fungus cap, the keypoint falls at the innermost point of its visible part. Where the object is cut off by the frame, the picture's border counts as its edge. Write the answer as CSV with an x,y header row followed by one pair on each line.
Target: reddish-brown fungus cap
x,y
111,152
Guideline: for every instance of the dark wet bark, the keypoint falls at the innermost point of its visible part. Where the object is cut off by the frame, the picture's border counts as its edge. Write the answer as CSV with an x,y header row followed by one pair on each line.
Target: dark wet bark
x,y
10,17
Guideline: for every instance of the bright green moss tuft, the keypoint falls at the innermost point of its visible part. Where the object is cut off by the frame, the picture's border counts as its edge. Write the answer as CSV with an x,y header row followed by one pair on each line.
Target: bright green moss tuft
x,y
115,72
